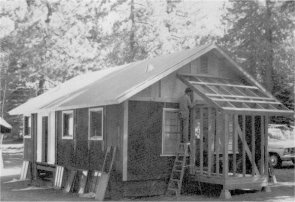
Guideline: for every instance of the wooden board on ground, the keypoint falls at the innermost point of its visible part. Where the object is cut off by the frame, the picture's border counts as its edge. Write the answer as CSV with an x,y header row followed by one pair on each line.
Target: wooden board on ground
x,y
24,170
58,177
70,181
102,186
83,181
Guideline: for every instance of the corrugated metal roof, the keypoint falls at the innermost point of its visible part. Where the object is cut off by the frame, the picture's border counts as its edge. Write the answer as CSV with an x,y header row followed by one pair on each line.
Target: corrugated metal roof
x,y
110,86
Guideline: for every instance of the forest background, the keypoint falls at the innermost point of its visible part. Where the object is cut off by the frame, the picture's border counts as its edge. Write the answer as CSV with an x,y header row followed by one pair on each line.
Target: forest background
x,y
46,42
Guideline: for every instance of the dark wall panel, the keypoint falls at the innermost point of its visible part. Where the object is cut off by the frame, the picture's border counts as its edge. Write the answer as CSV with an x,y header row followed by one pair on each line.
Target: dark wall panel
x,y
96,154
65,148
145,141
28,149
29,142
81,145
114,131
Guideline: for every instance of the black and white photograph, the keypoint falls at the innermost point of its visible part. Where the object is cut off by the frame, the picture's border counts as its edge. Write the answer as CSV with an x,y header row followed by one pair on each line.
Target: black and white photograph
x,y
147,100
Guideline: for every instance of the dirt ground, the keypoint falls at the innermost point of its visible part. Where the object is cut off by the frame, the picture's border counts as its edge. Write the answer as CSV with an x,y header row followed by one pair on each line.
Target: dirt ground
x,y
284,190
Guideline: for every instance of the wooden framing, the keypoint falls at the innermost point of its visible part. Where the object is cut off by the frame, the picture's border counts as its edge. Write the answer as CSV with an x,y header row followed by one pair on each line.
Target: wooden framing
x,y
233,96
235,174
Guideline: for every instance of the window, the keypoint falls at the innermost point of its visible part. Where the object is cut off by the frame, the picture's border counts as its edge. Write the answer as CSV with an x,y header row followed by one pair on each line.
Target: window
x,y
67,124
96,124
27,127
204,65
170,131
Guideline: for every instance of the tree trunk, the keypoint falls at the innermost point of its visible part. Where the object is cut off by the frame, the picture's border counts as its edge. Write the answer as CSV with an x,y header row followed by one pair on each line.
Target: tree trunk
x,y
132,33
269,38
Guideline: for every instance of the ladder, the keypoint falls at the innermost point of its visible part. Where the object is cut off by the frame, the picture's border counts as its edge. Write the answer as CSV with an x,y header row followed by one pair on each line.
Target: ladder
x,y
176,177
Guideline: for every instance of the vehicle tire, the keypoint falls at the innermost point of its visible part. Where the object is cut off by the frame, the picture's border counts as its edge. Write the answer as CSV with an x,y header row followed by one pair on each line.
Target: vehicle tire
x,y
293,161
275,160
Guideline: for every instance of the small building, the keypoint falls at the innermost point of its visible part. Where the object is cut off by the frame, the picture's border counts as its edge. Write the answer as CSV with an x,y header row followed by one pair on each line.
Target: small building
x,y
135,108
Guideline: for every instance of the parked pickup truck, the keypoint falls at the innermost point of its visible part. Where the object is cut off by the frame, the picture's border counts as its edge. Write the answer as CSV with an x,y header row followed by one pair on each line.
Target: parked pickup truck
x,y
281,144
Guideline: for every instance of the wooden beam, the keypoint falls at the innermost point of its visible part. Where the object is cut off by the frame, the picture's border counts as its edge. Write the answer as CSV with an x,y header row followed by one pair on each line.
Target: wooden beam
x,y
201,139
244,101
125,139
244,144
252,111
262,145
210,134
205,76
217,139
222,84
201,94
192,141
247,150
225,145
239,96
253,143
234,144
213,90
266,145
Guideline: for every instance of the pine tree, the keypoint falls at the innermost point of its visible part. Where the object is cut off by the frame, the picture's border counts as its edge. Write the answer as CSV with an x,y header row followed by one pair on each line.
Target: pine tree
x,y
260,37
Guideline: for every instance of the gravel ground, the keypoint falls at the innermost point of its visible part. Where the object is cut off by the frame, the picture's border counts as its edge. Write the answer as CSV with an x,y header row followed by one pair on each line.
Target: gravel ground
x,y
284,190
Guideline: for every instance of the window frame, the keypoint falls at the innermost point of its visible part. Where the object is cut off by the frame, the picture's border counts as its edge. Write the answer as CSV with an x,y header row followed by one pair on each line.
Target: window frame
x,y
97,138
29,135
70,137
163,129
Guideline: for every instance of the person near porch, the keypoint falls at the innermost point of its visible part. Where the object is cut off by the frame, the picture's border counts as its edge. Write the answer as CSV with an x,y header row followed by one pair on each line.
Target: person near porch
x,y
185,104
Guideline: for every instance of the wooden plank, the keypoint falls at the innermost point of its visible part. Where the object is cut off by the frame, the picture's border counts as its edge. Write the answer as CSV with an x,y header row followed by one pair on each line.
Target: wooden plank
x,y
70,181
262,145
106,172
222,84
213,135
125,140
252,111
253,143
56,177
239,96
205,76
244,101
247,150
24,170
244,144
192,141
266,145
102,186
235,143
217,139
83,180
225,145
186,82
201,139
210,134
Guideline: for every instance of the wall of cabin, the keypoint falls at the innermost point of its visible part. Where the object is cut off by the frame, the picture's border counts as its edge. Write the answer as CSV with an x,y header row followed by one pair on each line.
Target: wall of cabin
x,y
145,141
82,153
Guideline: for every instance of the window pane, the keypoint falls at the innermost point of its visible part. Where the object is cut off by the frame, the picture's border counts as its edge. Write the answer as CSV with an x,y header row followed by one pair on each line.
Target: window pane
x,y
171,133
68,124
96,124
27,126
